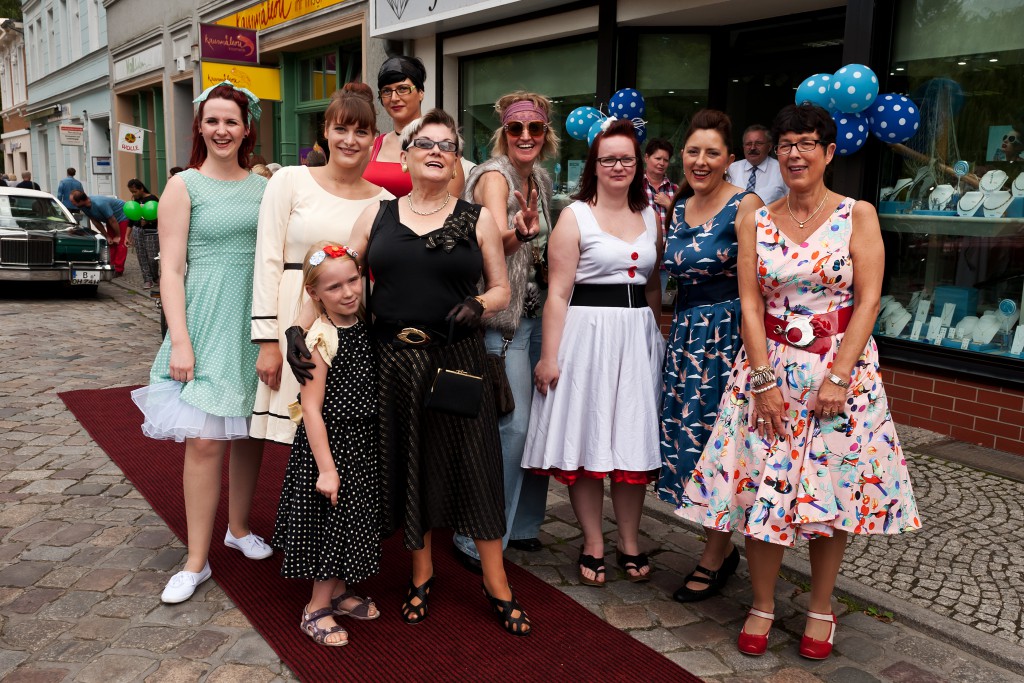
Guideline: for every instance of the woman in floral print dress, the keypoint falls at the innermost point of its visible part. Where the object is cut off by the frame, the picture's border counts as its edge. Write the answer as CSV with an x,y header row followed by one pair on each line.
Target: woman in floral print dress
x,y
804,445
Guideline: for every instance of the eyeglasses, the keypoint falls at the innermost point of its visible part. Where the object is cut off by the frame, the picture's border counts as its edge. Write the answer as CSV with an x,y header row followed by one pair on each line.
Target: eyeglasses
x,y
535,128
609,162
1012,139
428,144
403,90
786,148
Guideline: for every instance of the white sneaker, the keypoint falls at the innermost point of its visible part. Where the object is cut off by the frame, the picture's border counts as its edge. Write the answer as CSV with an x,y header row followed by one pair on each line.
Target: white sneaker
x,y
252,546
183,584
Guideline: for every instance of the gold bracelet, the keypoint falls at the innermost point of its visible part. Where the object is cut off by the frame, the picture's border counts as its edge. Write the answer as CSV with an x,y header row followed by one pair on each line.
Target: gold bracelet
x,y
480,300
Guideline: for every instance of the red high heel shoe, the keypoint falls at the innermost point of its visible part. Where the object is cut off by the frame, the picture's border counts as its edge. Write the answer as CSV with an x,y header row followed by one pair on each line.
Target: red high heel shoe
x,y
819,649
750,644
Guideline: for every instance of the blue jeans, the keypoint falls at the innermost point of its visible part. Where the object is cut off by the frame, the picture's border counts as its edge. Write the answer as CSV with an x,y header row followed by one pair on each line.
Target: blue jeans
x,y
526,493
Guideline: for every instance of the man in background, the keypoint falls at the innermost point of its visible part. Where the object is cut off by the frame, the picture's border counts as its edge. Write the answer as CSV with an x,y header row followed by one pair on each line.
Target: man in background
x,y
27,183
758,172
107,216
64,189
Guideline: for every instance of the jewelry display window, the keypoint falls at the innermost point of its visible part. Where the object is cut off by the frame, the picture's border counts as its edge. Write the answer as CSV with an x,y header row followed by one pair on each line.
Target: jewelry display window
x,y
951,204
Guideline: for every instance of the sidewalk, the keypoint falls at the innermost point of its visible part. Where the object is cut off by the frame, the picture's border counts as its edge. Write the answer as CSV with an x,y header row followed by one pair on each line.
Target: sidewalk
x,y
84,558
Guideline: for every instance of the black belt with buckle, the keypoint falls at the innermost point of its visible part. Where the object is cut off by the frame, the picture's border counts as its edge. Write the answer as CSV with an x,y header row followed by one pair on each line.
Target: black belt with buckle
x,y
713,291
609,296
420,335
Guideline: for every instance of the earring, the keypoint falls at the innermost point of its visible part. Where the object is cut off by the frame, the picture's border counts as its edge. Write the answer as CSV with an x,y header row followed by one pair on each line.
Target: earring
x,y
455,172
405,167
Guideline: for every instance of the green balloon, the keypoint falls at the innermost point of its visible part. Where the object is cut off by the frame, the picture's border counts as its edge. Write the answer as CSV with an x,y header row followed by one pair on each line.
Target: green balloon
x,y
132,210
149,210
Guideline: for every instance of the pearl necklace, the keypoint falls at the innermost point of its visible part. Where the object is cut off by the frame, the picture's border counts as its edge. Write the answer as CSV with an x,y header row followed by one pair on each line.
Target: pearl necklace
x,y
412,208
808,219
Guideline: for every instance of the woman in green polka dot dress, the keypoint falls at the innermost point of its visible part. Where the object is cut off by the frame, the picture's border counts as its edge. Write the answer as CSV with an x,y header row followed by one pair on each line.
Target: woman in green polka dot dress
x,y
203,381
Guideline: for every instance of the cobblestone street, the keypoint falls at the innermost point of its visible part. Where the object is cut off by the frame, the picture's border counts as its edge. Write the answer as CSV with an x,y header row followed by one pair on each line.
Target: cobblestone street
x,y
84,557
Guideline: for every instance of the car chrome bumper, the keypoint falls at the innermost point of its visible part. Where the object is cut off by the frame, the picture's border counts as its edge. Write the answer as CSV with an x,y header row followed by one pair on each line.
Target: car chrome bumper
x,y
51,273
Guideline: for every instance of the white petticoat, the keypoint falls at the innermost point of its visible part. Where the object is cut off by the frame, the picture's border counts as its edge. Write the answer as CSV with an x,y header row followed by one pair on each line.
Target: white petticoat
x,y
168,417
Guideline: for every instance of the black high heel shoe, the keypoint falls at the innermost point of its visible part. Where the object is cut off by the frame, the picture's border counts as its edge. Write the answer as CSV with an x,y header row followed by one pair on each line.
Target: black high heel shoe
x,y
713,579
517,626
414,614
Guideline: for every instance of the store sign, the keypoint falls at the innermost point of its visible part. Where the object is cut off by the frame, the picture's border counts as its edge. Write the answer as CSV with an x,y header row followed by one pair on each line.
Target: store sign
x,y
390,16
129,138
101,165
150,59
274,12
264,82
228,44
72,136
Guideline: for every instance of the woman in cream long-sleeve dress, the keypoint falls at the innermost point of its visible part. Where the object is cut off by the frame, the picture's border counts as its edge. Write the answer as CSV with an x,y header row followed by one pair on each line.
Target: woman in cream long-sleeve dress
x,y
303,206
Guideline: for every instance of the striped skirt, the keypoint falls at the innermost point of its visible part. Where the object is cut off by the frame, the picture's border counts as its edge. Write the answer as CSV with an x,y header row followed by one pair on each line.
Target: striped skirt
x,y
437,470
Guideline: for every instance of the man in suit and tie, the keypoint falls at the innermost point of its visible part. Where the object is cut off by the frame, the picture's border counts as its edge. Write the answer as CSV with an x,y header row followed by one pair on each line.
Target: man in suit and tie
x,y
758,172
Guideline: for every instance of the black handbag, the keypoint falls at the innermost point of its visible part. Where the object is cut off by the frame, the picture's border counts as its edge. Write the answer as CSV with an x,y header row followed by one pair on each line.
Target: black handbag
x,y
455,392
504,400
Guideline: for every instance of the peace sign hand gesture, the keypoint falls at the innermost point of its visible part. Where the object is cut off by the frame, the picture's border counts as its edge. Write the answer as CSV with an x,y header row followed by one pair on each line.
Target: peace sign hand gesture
x,y
527,218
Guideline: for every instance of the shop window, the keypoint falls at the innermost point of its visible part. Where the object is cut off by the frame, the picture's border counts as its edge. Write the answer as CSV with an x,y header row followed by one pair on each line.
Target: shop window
x,y
320,74
952,200
672,74
566,73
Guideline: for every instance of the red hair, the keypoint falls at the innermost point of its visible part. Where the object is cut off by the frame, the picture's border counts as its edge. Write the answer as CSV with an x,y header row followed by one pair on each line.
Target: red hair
x,y
587,191
199,152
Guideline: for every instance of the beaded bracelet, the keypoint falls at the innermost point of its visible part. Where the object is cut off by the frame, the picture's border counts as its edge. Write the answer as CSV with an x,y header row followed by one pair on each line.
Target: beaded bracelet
x,y
762,375
767,387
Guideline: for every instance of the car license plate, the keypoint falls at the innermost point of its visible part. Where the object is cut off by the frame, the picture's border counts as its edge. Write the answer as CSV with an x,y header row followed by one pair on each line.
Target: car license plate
x,y
85,277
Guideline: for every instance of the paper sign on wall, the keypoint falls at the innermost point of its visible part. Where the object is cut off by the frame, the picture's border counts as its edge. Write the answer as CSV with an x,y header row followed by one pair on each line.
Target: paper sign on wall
x,y
129,138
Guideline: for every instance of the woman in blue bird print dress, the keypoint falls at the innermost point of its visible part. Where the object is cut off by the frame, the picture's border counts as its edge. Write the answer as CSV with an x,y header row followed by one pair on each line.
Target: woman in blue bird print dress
x,y
700,253
804,445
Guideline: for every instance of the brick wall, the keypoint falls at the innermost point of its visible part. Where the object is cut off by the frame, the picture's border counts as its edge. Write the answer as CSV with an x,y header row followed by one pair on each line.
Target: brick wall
x,y
983,414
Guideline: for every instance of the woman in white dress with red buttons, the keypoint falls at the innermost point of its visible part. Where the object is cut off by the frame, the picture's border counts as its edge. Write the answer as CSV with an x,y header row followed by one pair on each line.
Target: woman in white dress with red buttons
x,y
595,412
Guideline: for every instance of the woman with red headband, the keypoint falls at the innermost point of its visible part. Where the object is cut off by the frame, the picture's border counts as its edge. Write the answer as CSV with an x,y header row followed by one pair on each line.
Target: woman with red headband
x,y
517,191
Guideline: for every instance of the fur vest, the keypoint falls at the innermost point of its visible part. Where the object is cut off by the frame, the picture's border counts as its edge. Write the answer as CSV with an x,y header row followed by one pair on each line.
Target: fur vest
x,y
519,263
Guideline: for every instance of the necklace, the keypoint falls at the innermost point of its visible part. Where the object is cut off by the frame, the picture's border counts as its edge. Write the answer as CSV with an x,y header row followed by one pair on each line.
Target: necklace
x,y
969,203
992,181
412,208
808,219
997,203
1018,186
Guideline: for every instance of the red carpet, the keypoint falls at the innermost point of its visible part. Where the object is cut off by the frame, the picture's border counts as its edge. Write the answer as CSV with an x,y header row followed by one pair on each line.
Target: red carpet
x,y
460,640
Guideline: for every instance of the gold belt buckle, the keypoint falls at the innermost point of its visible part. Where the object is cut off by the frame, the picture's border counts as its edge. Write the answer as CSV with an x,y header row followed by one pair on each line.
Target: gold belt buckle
x,y
413,336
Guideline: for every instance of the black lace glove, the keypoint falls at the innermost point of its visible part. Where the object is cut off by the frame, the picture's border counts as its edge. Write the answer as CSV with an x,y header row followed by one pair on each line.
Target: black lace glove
x,y
467,313
298,354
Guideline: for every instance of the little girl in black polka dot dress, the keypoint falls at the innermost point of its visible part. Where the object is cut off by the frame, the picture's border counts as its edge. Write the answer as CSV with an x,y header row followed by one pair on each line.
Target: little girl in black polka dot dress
x,y
328,518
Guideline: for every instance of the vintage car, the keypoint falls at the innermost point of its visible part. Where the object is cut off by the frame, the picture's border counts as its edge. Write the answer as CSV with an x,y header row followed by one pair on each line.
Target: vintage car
x,y
41,241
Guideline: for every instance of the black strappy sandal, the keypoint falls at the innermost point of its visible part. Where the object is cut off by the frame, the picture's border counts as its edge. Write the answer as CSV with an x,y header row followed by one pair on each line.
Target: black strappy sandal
x,y
594,564
517,626
414,614
714,579
636,563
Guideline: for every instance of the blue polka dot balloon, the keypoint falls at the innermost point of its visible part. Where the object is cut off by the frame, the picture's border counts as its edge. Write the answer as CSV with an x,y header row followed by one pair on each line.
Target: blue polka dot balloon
x,y
854,88
851,132
594,130
815,89
627,104
894,118
580,119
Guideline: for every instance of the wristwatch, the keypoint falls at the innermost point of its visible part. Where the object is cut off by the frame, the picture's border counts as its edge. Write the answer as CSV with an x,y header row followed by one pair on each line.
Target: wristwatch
x,y
837,380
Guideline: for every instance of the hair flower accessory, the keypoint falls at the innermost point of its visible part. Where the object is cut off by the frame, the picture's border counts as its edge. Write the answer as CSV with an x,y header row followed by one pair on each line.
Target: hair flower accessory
x,y
254,102
320,255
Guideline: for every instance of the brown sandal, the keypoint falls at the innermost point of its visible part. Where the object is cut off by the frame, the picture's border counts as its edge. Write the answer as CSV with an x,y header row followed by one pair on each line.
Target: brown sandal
x,y
319,635
361,611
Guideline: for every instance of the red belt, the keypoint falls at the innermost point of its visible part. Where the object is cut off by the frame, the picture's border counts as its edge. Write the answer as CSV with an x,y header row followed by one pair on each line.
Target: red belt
x,y
811,333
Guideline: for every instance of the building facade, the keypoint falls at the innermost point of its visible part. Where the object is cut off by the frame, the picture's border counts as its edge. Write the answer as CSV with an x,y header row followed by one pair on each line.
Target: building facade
x,y
954,277
15,140
68,91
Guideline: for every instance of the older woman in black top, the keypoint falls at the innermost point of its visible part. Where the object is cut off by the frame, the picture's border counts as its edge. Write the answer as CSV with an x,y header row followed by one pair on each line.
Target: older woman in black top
x,y
427,252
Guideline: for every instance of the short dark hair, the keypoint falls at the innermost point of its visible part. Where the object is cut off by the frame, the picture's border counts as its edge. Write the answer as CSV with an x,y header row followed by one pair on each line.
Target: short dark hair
x,y
399,68
78,196
136,183
315,157
656,145
175,170
587,191
804,118
71,171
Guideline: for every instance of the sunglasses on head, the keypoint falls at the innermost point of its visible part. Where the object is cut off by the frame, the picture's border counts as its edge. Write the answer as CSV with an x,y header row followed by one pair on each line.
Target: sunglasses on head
x,y
535,128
